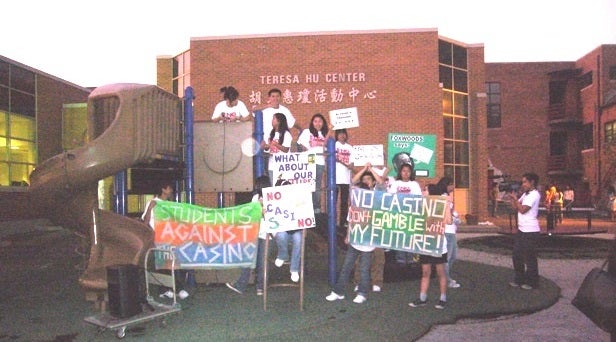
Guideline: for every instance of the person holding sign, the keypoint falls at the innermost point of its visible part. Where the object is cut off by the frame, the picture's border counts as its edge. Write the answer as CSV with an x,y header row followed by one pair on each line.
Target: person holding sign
x,y
355,251
404,183
343,175
313,140
165,193
445,186
242,282
370,179
279,140
282,242
230,108
427,261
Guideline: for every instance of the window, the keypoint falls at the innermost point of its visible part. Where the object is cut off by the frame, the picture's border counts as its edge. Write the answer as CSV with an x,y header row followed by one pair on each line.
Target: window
x,y
558,143
587,136
494,104
453,75
610,132
585,80
557,92
17,124
612,73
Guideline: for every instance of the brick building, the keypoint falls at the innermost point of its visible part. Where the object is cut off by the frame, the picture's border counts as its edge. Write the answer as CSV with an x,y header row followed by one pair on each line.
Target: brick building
x,y
34,106
557,119
401,81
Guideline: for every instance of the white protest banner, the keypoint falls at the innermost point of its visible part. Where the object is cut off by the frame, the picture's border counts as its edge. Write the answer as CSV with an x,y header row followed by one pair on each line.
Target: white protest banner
x,y
364,154
344,118
288,207
297,168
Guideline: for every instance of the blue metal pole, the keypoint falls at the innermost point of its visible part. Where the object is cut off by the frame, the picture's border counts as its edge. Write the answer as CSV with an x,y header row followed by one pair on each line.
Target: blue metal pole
x,y
331,209
259,162
189,181
189,141
121,196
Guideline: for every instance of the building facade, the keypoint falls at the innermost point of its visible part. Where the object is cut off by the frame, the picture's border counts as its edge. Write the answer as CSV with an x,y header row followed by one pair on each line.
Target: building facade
x,y
32,106
556,119
400,81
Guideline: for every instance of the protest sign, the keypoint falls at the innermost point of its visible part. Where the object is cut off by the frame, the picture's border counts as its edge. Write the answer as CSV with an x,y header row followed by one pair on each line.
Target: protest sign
x,y
402,222
207,238
420,147
364,154
344,118
296,168
288,207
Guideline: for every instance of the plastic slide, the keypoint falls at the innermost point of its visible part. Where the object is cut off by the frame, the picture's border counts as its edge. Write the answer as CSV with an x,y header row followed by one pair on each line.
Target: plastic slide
x,y
128,124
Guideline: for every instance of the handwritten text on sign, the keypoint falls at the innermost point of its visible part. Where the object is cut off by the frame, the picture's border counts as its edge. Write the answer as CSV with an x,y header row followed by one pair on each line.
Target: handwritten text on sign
x,y
288,207
208,238
297,168
402,222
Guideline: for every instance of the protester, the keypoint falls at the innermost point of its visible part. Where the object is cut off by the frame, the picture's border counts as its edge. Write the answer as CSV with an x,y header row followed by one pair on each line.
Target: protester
x,y
343,176
282,242
427,261
370,178
278,140
165,192
445,187
241,283
355,251
527,237
230,108
313,140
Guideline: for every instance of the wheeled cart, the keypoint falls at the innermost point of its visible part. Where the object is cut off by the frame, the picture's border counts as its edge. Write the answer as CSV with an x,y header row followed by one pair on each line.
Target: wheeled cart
x,y
151,309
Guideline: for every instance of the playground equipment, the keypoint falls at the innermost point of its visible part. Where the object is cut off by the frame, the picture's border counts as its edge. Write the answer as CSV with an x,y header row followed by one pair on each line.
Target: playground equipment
x,y
128,125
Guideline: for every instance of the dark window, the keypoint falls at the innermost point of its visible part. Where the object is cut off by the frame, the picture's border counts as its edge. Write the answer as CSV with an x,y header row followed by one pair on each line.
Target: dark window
x,y
494,105
585,80
22,103
4,98
445,77
557,92
445,55
22,79
587,136
4,73
459,57
460,81
612,72
558,143
610,132
460,104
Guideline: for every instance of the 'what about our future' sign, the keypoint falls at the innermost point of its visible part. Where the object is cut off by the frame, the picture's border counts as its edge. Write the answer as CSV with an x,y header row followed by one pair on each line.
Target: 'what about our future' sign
x,y
401,222
207,238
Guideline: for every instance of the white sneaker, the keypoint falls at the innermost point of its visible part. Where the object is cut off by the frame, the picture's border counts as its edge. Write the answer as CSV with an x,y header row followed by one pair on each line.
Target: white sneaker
x,y
359,299
453,284
334,296
294,277
278,262
168,294
356,288
376,288
183,294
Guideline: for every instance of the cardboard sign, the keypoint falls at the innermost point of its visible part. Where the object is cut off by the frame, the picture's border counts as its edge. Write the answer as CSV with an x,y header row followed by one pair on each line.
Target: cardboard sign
x,y
344,118
288,207
364,154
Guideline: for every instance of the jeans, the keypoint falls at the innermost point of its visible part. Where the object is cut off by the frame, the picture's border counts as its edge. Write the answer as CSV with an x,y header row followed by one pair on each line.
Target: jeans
x,y
316,195
282,241
452,247
242,282
347,267
377,268
525,258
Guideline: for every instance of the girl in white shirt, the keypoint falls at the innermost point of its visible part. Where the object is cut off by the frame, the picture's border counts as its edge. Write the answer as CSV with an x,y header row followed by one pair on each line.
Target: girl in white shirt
x,y
279,140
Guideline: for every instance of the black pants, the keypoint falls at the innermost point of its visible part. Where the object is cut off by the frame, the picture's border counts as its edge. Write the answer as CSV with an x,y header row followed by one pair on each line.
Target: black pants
x,y
524,258
343,190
